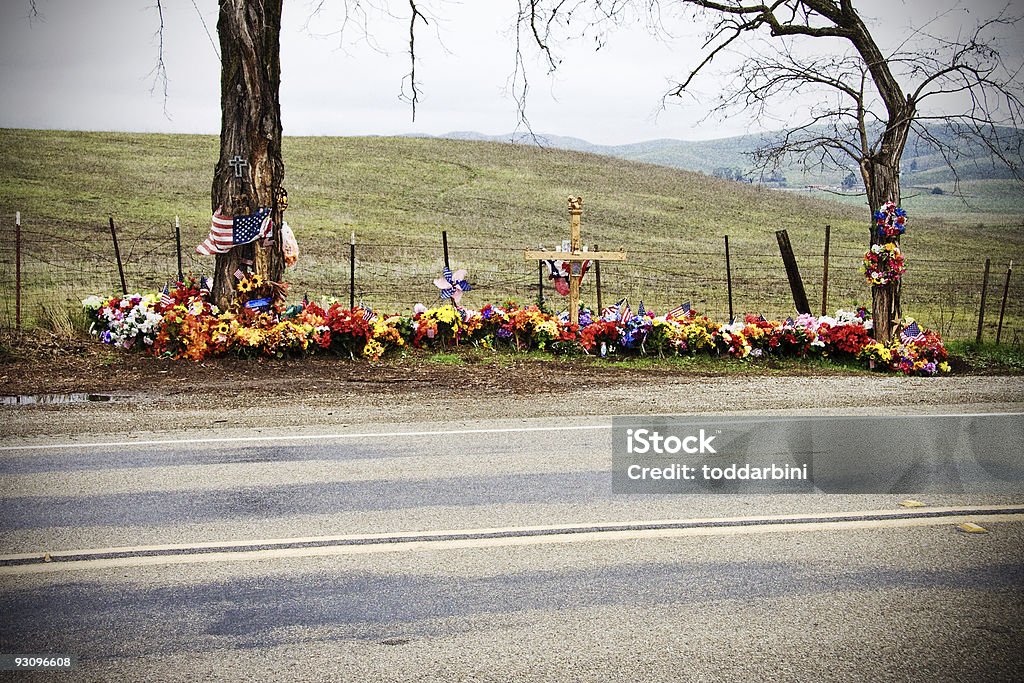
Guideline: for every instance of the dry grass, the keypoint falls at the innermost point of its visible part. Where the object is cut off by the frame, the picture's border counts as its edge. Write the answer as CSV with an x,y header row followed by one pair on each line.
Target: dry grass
x,y
494,200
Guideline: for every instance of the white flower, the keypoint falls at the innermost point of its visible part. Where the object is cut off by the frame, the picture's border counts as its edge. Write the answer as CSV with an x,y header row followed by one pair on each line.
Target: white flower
x,y
92,302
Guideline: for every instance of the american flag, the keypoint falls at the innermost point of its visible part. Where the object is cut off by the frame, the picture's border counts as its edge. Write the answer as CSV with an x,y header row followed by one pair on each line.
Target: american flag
x,y
165,297
227,232
368,314
204,285
612,310
641,311
679,310
911,332
625,312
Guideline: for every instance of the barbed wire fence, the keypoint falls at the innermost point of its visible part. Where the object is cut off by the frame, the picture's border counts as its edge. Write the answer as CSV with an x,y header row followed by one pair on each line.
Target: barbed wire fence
x,y
48,269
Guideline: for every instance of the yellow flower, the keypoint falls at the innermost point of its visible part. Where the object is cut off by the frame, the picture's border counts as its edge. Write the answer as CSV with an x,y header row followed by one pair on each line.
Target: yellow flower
x,y
373,350
548,327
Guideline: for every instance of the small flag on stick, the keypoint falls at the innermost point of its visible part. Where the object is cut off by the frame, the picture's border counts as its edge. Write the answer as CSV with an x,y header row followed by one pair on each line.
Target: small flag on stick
x,y
165,297
911,332
679,310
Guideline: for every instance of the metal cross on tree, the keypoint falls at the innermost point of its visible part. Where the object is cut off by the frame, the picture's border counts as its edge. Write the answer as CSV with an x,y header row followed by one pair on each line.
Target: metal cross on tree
x,y
239,164
575,256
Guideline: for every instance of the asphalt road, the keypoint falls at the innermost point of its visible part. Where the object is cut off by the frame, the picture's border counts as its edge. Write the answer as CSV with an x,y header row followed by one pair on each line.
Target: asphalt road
x,y
358,556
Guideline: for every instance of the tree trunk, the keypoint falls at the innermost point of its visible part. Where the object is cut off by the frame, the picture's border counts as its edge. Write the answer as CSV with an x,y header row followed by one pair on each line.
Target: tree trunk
x,y
251,129
882,182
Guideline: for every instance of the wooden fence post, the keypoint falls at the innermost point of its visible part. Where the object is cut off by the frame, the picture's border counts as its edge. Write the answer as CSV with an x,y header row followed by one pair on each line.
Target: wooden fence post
x,y
117,255
540,284
1002,307
981,309
796,285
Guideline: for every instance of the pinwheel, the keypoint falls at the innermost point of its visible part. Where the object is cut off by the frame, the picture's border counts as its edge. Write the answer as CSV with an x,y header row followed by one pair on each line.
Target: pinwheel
x,y
453,285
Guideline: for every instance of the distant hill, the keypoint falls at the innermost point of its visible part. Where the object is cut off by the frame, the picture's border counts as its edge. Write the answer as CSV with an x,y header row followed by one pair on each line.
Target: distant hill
x,y
731,157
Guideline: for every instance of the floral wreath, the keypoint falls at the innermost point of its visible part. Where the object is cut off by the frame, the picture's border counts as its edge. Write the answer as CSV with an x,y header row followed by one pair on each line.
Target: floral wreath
x,y
883,264
890,220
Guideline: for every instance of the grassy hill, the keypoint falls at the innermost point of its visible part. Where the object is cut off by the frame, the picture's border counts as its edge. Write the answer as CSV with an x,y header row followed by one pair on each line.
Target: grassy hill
x,y
987,191
494,200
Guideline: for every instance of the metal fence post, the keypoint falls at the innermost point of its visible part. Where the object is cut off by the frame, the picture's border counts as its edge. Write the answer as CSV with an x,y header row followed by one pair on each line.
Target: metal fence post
x,y
352,272
177,243
728,277
17,270
824,272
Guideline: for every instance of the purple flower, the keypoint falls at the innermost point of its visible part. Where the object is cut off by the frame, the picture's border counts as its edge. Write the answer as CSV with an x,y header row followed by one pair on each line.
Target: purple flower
x,y
504,333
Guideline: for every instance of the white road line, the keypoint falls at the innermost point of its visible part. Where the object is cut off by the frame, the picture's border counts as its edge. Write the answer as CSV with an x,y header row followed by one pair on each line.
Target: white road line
x,y
302,437
517,536
429,433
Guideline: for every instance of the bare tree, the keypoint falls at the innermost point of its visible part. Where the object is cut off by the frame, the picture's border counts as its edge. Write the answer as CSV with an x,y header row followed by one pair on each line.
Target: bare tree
x,y
870,99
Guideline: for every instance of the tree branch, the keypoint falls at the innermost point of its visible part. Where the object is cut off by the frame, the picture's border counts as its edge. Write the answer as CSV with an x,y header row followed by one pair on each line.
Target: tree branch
x,y
159,72
414,96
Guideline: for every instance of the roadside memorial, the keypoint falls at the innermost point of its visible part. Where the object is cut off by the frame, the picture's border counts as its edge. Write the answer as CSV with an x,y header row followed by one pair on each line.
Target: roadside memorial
x,y
576,257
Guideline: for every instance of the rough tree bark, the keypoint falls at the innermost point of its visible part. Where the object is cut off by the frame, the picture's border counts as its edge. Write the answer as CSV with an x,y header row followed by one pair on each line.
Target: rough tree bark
x,y
882,181
250,128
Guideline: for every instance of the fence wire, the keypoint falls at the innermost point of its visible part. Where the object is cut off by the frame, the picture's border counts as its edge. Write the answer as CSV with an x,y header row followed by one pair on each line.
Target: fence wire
x,y
58,271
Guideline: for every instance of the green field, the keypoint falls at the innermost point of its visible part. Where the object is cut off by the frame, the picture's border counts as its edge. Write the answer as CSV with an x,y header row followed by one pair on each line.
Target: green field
x,y
494,200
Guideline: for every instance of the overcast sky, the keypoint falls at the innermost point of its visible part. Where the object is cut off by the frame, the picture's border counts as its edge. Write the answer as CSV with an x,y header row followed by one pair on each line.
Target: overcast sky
x,y
86,64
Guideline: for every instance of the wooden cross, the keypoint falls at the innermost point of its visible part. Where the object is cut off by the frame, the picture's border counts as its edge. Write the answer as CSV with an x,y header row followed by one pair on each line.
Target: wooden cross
x,y
575,256
238,163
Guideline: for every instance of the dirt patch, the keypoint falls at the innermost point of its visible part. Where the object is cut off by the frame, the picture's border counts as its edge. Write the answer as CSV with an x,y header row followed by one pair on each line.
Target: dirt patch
x,y
50,364
154,396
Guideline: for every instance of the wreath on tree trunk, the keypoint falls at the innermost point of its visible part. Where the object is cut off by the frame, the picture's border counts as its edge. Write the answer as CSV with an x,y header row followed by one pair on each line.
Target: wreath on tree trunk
x,y
883,264
891,221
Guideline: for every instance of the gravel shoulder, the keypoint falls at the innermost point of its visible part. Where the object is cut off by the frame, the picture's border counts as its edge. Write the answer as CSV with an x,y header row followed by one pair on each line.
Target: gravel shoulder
x,y
152,396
